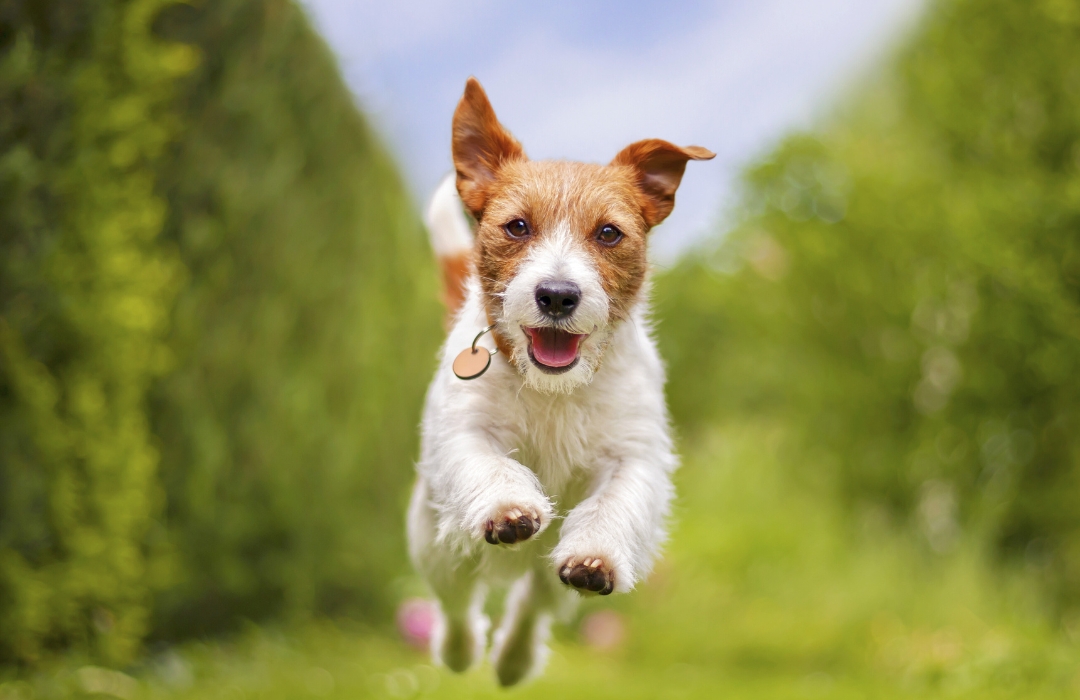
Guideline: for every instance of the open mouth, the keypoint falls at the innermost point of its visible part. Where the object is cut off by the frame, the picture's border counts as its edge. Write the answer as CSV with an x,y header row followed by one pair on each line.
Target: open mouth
x,y
552,350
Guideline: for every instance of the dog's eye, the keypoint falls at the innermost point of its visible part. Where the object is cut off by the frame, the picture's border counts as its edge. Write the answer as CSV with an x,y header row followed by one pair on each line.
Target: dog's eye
x,y
609,235
517,228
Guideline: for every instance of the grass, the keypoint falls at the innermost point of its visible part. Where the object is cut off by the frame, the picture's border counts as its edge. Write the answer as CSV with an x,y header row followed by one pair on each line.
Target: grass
x,y
768,590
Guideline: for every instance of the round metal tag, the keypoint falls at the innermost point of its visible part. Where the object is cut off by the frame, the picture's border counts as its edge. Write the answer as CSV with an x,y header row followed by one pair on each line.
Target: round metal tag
x,y
471,363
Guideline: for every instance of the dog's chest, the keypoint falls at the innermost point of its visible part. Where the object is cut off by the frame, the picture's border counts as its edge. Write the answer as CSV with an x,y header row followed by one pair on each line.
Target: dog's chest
x,y
555,437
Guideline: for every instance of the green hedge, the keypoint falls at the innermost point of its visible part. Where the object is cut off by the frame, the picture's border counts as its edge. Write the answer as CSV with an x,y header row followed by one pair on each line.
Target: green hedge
x,y
85,292
904,286
304,340
217,317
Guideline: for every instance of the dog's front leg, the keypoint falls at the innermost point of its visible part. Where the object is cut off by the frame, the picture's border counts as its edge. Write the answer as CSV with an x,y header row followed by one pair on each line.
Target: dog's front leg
x,y
609,540
481,494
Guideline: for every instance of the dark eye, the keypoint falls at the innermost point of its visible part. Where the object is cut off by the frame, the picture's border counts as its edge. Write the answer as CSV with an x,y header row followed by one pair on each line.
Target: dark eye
x,y
517,228
609,235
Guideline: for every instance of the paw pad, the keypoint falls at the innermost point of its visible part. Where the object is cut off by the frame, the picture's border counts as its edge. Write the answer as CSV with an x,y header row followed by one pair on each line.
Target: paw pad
x,y
513,526
590,574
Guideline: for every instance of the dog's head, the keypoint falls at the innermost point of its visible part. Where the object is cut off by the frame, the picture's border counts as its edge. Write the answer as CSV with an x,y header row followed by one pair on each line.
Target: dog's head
x,y
561,246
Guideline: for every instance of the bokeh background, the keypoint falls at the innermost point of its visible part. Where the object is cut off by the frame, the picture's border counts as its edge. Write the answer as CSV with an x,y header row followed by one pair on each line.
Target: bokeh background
x,y
218,314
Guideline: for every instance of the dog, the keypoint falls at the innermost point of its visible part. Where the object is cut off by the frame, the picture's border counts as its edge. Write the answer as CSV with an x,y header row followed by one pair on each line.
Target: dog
x,y
548,466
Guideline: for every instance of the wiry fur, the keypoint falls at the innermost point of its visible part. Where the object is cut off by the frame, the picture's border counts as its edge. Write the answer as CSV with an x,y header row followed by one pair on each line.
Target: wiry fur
x,y
451,240
586,453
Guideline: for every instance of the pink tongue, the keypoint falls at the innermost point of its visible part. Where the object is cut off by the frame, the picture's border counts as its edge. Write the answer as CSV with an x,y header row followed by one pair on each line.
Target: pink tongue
x,y
552,347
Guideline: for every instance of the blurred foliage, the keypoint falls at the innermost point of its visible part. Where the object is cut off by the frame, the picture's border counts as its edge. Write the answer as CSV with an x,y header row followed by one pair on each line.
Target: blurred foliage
x,y
766,592
218,315
189,193
85,292
303,341
903,287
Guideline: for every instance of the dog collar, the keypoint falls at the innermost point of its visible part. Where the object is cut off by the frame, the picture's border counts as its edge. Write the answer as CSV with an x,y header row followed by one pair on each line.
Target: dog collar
x,y
474,361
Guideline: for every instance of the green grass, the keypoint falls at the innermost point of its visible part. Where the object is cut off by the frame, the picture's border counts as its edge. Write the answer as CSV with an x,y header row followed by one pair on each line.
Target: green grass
x,y
767,591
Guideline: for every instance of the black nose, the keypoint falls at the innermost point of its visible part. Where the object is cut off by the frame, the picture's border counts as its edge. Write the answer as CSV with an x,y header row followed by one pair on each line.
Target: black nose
x,y
557,299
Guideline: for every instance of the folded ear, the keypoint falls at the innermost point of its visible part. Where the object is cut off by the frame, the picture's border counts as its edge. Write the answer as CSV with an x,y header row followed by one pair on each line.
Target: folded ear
x,y
659,167
481,145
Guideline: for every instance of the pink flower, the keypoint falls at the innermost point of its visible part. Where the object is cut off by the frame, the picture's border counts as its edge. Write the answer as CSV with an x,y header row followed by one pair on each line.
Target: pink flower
x,y
416,621
603,630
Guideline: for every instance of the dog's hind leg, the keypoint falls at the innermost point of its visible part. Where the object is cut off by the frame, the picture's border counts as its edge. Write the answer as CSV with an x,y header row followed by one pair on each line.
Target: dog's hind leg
x,y
460,633
520,647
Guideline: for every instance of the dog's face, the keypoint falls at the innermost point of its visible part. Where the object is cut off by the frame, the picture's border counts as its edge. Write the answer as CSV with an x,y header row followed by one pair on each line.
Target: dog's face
x,y
561,246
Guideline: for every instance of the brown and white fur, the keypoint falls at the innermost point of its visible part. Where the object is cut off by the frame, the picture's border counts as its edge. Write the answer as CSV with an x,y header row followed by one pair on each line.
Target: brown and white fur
x,y
552,476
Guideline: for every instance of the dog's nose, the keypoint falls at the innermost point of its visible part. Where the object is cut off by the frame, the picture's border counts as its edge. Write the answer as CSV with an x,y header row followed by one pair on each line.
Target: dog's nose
x,y
557,299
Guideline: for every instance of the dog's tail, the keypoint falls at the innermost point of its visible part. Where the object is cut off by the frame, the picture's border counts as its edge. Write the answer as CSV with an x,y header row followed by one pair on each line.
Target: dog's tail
x,y
452,240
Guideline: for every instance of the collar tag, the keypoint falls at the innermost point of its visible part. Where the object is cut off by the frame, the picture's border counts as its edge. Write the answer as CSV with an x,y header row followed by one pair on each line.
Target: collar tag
x,y
473,361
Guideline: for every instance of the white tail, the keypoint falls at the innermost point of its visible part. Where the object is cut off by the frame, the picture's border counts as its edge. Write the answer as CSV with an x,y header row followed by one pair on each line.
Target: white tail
x,y
452,241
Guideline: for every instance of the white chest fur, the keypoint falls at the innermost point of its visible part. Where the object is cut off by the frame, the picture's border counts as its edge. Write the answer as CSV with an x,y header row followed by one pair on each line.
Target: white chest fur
x,y
599,457
567,440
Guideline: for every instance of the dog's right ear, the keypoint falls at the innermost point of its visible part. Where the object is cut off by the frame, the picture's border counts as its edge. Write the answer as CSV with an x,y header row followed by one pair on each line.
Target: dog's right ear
x,y
481,145
658,167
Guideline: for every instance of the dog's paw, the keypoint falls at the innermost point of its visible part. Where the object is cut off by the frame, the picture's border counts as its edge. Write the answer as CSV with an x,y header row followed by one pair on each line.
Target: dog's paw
x,y
512,525
588,574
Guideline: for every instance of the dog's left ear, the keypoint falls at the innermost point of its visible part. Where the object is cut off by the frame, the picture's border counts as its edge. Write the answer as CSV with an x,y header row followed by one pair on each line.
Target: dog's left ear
x,y
659,168
481,145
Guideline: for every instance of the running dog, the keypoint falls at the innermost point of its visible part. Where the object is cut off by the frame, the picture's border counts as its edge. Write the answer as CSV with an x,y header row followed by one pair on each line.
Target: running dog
x,y
546,459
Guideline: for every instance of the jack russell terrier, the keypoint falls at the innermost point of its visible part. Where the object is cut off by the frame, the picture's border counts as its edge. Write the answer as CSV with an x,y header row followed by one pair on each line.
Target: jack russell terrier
x,y
548,465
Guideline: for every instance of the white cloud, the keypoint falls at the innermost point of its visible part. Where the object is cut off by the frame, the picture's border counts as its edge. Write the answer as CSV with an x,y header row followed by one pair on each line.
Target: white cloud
x,y
733,76
374,31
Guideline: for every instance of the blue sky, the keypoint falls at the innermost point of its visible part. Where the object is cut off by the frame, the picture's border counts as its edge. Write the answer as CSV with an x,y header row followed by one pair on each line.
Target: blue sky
x,y
581,80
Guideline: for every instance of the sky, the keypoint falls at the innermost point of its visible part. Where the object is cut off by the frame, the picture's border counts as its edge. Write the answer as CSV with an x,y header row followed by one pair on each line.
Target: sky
x,y
580,80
